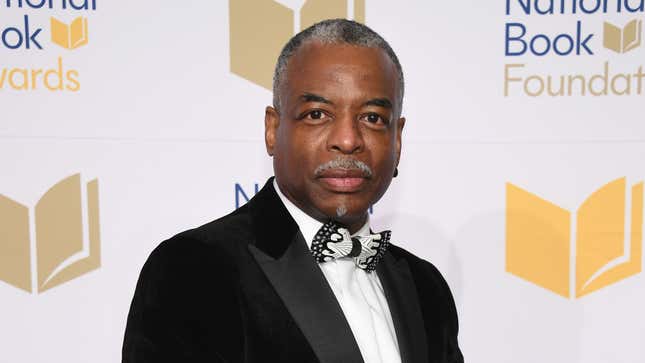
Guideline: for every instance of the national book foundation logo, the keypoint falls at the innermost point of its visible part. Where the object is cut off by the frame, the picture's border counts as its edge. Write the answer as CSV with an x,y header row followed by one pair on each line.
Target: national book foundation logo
x,y
577,53
259,29
55,242
574,254
21,33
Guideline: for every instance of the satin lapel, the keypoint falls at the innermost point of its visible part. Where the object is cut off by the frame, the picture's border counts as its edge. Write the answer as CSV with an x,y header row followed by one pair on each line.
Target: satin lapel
x,y
282,254
306,294
402,298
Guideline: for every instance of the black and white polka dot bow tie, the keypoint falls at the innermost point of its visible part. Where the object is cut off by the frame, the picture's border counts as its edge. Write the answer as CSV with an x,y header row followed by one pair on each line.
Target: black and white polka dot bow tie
x,y
334,241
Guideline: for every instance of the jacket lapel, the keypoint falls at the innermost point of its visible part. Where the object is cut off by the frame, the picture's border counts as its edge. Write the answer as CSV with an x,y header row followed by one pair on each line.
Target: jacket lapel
x,y
402,298
282,254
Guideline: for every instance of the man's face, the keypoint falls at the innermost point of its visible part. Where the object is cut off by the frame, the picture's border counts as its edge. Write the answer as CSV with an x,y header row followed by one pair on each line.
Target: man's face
x,y
336,138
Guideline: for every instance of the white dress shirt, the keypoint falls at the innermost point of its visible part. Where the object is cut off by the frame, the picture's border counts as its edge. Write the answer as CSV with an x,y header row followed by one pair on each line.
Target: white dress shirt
x,y
359,293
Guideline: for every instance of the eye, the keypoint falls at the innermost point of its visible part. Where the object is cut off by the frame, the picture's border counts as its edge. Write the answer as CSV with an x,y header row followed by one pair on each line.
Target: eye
x,y
375,119
315,115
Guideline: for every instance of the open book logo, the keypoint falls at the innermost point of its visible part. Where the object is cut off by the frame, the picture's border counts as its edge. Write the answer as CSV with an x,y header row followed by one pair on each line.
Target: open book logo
x,y
259,29
625,39
57,222
575,254
69,36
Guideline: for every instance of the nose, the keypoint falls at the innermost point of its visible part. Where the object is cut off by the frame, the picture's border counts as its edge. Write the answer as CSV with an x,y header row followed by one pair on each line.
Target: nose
x,y
345,136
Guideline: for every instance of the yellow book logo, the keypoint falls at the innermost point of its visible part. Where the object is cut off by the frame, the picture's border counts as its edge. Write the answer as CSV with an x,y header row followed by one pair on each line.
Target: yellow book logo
x,y
60,254
544,244
625,39
260,28
69,36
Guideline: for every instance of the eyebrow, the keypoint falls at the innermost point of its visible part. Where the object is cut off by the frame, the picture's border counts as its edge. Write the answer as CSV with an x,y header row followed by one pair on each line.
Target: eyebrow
x,y
380,102
310,97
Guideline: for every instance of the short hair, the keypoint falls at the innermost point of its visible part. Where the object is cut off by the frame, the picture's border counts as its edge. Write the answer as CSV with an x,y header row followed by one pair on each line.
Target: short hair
x,y
333,31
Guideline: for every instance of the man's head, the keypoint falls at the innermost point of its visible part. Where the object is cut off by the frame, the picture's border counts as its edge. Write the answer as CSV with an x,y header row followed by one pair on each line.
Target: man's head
x,y
335,128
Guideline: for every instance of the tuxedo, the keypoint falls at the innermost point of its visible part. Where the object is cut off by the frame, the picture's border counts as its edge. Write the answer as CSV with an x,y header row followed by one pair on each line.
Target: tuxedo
x,y
245,288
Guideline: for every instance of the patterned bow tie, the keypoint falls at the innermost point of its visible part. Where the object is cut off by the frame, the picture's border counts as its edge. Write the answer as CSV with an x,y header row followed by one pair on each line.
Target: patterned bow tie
x,y
334,241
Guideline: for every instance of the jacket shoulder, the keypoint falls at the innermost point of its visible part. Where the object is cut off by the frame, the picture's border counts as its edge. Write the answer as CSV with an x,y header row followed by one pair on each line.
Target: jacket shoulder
x,y
185,299
189,258
221,235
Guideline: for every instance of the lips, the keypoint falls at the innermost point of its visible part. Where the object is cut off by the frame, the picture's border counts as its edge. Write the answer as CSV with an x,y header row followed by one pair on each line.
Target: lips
x,y
343,180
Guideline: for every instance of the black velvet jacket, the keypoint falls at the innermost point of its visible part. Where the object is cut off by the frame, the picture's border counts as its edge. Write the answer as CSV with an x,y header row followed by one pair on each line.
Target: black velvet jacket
x,y
245,288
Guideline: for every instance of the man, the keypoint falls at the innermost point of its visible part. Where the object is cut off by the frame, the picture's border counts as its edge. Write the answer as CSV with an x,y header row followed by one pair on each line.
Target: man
x,y
297,275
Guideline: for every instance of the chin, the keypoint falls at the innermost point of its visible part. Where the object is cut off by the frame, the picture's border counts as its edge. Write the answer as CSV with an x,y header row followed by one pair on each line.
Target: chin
x,y
344,211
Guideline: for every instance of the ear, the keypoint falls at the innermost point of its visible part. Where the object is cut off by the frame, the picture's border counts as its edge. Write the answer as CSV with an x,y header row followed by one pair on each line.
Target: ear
x,y
271,123
400,123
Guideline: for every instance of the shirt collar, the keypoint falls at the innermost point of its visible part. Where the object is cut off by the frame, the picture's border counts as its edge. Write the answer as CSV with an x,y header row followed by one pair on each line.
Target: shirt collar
x,y
308,225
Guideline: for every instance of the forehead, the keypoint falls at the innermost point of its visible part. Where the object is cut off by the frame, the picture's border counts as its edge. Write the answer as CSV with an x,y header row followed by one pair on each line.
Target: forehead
x,y
355,70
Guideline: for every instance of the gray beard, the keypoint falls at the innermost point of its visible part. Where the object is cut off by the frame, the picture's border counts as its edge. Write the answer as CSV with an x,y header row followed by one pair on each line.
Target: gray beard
x,y
341,211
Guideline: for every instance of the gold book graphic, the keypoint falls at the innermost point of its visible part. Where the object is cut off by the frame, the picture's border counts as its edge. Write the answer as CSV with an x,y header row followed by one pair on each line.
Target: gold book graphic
x,y
539,237
625,39
255,43
59,254
69,36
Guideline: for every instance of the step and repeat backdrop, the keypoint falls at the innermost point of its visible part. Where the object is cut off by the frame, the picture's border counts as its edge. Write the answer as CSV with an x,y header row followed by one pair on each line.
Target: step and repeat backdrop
x,y
125,122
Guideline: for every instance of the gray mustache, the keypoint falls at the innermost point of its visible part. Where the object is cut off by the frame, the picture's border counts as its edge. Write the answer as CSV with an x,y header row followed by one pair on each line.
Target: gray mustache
x,y
346,164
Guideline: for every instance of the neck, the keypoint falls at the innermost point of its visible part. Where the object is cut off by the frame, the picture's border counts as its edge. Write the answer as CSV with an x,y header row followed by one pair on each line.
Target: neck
x,y
353,224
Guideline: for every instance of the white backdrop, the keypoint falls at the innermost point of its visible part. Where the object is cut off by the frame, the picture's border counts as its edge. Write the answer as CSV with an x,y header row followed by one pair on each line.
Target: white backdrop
x,y
168,130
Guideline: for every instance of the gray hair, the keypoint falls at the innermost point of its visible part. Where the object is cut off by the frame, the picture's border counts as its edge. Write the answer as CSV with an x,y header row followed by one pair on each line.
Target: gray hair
x,y
333,31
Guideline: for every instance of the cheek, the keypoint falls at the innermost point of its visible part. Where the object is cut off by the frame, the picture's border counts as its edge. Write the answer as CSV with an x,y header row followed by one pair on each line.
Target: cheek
x,y
296,157
383,150
306,145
